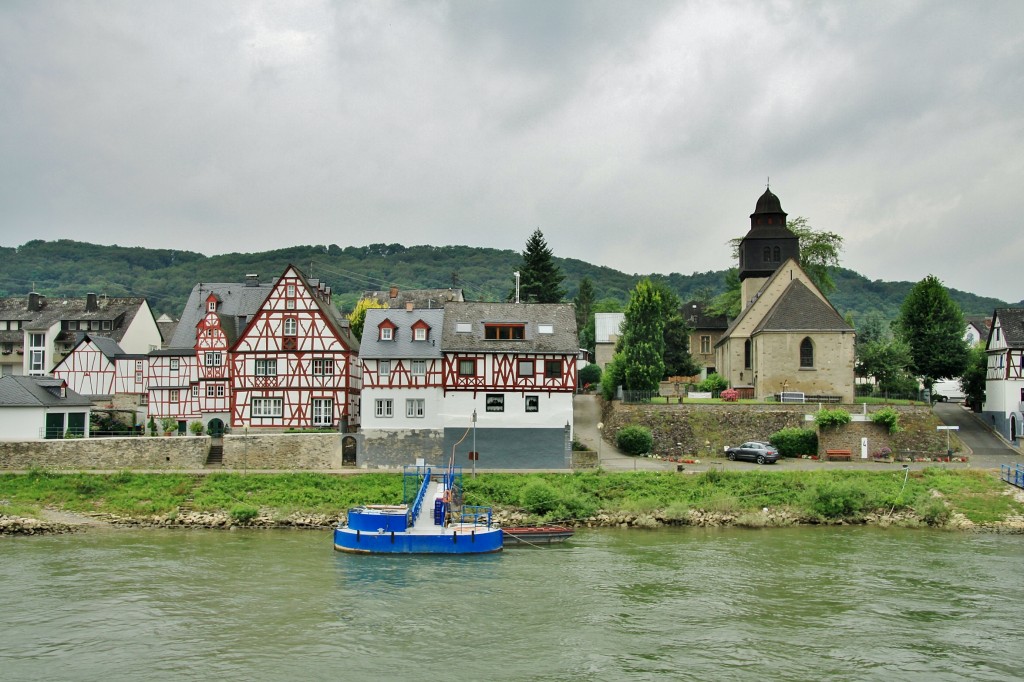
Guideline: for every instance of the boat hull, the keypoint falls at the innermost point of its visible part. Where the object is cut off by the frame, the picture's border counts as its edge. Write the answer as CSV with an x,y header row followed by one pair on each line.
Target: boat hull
x,y
482,541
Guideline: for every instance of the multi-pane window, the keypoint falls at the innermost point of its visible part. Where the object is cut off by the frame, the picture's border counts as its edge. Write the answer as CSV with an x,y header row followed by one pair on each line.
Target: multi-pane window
x,y
138,370
195,391
414,408
213,359
419,368
323,412
106,325
210,391
495,402
220,390
387,334
705,344
267,407
419,334
211,306
174,365
383,407
806,353
175,396
289,293
291,326
37,353
553,369
323,366
525,368
516,332
266,368
384,368
467,368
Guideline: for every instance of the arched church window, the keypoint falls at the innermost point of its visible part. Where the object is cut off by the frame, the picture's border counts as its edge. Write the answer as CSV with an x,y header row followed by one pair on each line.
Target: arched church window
x,y
806,353
767,254
746,354
777,254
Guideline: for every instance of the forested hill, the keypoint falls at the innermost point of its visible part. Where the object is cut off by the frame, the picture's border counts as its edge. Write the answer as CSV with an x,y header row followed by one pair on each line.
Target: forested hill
x,y
165,277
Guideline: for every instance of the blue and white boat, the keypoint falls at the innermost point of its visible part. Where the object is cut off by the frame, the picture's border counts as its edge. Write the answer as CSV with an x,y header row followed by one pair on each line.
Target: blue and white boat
x,y
432,519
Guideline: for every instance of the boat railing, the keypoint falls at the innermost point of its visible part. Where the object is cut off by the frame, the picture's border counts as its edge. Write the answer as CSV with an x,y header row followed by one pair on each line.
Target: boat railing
x,y
476,515
417,504
1012,474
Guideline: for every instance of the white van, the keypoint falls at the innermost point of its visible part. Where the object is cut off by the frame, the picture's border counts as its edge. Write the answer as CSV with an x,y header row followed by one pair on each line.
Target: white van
x,y
948,390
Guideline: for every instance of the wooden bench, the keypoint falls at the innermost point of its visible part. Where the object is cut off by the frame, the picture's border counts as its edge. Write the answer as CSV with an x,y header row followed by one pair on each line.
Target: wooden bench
x,y
835,455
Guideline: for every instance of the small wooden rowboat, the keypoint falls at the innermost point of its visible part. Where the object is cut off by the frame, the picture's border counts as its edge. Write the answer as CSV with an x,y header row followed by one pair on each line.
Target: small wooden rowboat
x,y
536,535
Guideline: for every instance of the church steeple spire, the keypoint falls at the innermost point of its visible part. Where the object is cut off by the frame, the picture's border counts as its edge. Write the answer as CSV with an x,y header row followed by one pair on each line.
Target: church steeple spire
x,y
767,245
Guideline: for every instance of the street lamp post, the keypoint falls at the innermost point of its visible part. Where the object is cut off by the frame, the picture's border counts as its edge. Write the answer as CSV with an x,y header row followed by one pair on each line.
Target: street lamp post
x,y
600,442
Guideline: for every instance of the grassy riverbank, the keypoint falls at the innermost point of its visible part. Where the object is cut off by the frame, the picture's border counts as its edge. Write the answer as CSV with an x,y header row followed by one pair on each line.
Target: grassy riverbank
x,y
932,496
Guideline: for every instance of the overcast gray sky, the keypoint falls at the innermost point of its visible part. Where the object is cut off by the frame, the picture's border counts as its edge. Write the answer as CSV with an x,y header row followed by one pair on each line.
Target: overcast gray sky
x,y
636,135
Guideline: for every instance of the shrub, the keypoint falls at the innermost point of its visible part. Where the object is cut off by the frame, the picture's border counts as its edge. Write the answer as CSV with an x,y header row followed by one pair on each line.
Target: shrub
x,y
889,418
714,382
794,441
825,418
152,427
634,439
590,375
538,497
244,513
169,424
932,510
730,395
611,379
831,500
196,428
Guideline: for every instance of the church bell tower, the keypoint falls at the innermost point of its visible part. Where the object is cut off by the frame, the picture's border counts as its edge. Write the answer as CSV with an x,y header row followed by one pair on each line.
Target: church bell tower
x,y
767,245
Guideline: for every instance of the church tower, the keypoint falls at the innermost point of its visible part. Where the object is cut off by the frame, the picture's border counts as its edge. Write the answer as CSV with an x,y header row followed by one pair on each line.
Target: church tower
x,y
766,246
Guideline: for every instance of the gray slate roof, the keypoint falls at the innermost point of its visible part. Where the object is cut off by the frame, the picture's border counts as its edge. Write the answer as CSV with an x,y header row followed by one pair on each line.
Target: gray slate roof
x,y
420,298
1011,321
562,317
798,309
108,347
403,346
27,391
235,299
696,317
119,310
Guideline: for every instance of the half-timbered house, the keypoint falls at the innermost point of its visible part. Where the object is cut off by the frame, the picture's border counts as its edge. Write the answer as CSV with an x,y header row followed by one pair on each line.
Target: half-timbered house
x,y
295,364
1004,379
190,379
403,409
508,376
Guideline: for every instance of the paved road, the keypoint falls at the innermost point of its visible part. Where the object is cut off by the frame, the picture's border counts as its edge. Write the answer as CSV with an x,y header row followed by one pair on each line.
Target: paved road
x,y
988,450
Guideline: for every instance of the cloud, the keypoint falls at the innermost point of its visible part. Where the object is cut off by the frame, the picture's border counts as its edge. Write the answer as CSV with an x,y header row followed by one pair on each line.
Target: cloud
x,y
636,136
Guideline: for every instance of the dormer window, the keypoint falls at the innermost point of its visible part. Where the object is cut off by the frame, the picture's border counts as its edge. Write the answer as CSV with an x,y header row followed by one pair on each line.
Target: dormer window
x,y
420,331
386,331
512,332
211,306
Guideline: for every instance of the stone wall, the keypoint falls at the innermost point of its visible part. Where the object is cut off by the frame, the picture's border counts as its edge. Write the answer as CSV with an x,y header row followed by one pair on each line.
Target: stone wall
x,y
398,448
701,430
303,451
105,453
848,437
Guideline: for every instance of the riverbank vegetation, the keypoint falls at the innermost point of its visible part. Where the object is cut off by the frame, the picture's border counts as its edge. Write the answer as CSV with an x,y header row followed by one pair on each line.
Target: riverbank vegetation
x,y
932,496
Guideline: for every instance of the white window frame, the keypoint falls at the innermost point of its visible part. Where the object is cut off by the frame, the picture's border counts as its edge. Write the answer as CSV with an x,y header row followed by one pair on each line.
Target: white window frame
x,y
175,395
418,368
267,407
387,334
210,393
383,368
291,326
175,365
384,408
213,358
521,364
37,354
323,411
323,367
419,334
195,391
415,408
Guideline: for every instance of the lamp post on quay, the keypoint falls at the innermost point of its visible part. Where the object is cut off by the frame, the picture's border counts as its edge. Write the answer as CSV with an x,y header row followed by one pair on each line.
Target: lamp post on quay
x,y
600,442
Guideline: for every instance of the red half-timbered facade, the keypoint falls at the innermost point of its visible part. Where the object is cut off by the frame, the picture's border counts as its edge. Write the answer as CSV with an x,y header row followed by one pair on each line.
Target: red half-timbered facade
x,y
295,365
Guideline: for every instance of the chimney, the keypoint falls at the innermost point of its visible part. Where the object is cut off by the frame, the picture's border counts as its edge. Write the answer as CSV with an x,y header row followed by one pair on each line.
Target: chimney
x,y
90,303
252,280
408,306
394,292
33,301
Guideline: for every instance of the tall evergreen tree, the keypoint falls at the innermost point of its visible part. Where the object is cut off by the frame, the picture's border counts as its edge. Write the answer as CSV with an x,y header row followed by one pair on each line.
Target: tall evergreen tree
x,y
584,302
643,340
932,324
677,358
540,279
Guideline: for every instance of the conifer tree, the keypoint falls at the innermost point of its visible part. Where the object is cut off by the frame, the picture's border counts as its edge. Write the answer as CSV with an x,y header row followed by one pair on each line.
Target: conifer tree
x,y
584,303
540,279
643,341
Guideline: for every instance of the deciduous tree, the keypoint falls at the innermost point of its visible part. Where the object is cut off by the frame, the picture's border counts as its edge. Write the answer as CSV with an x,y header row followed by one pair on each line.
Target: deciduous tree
x,y
358,316
932,325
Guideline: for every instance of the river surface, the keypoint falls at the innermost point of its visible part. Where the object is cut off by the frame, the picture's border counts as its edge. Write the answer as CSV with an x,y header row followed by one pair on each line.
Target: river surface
x,y
676,604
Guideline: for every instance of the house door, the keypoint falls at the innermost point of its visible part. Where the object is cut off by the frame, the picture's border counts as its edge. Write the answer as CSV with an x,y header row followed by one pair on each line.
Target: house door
x,y
76,423
215,428
54,425
348,451
1013,428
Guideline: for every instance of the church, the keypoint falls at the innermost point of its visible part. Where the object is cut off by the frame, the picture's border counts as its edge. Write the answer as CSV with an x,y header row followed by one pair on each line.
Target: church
x,y
787,337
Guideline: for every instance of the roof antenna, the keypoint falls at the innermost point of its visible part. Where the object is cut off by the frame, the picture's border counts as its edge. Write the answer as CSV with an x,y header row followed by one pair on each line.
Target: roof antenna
x,y
516,273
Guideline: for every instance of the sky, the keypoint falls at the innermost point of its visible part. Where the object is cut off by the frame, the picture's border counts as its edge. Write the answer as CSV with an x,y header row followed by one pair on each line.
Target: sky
x,y
635,135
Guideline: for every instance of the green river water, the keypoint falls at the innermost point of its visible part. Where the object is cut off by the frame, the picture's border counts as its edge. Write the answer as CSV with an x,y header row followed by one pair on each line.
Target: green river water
x,y
677,604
